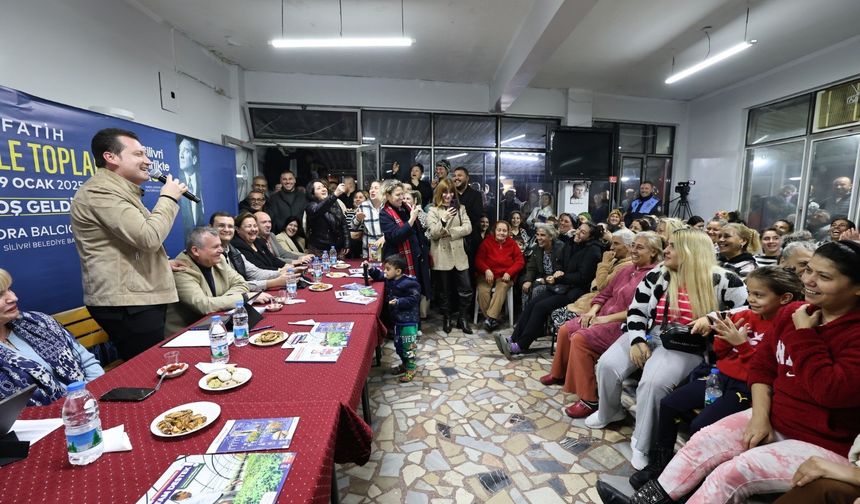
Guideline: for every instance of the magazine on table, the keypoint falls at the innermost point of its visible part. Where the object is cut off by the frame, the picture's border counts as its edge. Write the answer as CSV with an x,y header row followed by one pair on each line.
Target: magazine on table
x,y
314,353
211,479
255,434
298,339
336,334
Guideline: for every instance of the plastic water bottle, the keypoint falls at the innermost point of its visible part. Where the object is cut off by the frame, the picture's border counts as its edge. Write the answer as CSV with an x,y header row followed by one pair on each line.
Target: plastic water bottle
x,y
332,256
317,268
240,325
291,283
712,388
83,427
326,264
373,255
218,344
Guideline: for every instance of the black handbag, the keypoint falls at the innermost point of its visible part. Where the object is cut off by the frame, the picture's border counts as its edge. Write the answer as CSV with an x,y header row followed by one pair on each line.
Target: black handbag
x,y
678,337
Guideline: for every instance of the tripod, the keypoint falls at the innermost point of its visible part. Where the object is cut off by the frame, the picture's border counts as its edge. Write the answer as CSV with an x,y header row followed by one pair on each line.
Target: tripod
x,y
682,209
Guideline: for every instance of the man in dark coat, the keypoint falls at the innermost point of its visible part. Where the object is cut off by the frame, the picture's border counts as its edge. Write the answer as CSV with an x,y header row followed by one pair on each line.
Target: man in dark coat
x,y
286,203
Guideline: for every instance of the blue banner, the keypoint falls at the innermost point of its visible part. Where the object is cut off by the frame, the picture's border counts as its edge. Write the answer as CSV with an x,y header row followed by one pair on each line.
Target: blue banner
x,y
45,157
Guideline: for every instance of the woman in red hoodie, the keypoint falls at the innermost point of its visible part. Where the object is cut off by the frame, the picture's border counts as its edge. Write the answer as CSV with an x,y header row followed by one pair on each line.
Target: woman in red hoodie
x,y
498,262
803,378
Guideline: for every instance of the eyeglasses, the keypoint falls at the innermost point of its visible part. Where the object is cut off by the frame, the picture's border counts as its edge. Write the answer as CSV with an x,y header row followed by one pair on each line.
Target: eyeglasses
x,y
257,199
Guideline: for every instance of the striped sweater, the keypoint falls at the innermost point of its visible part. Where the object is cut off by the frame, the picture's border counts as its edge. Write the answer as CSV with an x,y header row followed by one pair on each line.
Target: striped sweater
x,y
730,290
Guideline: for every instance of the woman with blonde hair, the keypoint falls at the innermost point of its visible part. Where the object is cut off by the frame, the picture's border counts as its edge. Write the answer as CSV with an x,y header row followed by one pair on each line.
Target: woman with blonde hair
x,y
667,225
737,245
448,224
687,285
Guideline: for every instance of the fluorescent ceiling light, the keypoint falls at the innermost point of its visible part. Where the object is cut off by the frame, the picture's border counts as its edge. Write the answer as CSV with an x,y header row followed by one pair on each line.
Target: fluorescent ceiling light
x,y
368,139
342,42
455,156
513,138
521,157
731,51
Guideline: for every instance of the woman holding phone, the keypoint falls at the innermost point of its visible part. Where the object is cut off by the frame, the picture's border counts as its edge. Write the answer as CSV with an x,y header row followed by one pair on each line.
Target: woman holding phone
x,y
448,224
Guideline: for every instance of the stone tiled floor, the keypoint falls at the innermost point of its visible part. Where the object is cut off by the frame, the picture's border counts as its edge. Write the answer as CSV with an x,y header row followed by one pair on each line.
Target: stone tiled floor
x,y
474,427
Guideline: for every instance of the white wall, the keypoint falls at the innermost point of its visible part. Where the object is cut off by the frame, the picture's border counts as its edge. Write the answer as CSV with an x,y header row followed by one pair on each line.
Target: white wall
x,y
717,123
107,53
270,87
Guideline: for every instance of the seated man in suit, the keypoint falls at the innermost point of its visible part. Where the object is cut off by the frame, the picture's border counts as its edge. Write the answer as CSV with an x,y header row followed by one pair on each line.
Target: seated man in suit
x,y
207,284
257,278
264,225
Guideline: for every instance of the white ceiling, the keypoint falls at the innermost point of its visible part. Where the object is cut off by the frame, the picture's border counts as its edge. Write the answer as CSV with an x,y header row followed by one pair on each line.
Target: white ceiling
x,y
621,47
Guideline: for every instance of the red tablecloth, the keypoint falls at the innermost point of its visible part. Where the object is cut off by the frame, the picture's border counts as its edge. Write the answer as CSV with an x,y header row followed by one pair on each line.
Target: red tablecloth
x,y
326,302
46,475
273,379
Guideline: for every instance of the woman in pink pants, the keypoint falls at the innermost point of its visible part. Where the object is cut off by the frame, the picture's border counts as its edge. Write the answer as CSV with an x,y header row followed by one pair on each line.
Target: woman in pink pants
x,y
805,399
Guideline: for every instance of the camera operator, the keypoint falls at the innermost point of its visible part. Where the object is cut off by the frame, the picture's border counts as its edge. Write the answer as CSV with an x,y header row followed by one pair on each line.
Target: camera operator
x,y
646,204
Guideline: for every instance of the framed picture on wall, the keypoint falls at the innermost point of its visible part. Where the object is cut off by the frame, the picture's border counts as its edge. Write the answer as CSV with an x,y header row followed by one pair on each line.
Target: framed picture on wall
x,y
575,196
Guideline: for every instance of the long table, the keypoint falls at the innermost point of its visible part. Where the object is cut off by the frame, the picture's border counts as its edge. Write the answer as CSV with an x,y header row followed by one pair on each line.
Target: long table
x,y
327,432
324,395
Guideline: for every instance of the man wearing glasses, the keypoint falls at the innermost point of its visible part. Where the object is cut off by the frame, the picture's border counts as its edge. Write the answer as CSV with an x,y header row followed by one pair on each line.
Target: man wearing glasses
x,y
254,202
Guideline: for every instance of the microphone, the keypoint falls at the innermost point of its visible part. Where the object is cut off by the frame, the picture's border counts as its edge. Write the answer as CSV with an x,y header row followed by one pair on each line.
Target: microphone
x,y
156,174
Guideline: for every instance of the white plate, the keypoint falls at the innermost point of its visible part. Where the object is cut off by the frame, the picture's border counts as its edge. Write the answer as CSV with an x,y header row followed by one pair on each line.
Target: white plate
x,y
336,274
320,287
208,409
341,266
202,383
172,374
255,338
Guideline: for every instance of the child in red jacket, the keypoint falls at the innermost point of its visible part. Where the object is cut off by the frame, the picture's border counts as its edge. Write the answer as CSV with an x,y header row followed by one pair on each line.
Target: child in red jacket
x,y
770,288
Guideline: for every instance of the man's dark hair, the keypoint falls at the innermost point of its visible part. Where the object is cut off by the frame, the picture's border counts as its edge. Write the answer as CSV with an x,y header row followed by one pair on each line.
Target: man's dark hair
x,y
850,224
419,165
396,261
790,224
647,182
107,140
462,169
219,214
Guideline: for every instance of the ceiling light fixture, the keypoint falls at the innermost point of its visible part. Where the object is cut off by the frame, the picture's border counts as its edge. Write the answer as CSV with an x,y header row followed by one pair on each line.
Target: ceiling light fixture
x,y
712,60
455,156
341,41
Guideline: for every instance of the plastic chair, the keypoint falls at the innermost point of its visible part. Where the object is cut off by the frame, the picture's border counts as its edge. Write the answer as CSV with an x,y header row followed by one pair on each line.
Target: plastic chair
x,y
509,305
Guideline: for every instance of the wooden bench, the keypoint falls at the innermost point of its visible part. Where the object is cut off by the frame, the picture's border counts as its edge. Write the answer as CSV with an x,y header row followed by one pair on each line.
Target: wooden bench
x,y
89,334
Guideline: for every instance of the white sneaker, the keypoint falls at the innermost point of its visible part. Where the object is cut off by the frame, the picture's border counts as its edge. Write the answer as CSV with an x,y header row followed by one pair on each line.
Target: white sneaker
x,y
593,421
640,459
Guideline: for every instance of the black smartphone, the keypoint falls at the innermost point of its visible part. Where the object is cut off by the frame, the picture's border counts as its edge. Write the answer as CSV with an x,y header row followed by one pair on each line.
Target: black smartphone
x,y
127,394
455,204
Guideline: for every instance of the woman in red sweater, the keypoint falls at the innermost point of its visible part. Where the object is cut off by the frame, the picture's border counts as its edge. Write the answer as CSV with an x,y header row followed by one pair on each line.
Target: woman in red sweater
x,y
497,263
805,403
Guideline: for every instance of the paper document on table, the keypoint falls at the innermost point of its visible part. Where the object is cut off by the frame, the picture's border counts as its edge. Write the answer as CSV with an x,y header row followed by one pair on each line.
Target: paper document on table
x,y
308,322
193,338
358,299
34,430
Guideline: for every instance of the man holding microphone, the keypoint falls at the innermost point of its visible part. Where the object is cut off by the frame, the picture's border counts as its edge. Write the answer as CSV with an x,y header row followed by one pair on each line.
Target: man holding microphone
x,y
126,273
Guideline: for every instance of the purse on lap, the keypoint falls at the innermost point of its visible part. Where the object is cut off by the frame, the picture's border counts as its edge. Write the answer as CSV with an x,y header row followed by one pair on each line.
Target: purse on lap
x,y
679,337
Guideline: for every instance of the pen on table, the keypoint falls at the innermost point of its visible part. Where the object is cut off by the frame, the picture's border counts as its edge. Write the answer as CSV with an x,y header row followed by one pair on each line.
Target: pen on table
x,y
261,328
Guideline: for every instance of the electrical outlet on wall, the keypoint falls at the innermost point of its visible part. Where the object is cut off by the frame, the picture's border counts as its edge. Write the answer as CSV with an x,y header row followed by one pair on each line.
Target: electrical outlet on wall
x,y
169,85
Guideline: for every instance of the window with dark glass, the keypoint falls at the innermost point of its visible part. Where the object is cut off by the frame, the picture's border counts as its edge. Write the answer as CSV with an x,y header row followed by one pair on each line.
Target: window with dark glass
x,y
304,125
525,133
395,128
778,121
465,130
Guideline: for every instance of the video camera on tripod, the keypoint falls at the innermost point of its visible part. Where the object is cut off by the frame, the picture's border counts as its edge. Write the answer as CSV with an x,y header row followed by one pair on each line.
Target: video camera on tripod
x,y
683,188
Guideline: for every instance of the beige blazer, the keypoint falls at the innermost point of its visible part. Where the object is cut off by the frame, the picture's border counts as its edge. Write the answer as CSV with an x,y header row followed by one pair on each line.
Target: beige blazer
x,y
195,298
448,252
